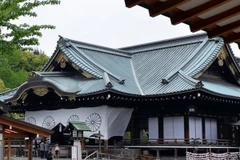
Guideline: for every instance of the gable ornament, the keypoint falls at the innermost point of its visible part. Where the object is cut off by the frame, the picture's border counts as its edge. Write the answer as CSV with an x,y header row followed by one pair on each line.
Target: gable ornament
x,y
40,91
220,59
63,62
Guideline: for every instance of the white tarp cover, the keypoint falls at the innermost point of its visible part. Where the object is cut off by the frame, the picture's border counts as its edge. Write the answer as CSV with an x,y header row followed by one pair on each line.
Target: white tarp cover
x,y
108,120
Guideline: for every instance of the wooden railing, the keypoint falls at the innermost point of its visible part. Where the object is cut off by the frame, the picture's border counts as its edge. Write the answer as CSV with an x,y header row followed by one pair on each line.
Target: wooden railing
x,y
97,155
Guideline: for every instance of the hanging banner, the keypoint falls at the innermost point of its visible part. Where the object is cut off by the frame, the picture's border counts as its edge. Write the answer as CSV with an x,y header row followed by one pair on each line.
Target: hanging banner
x,y
109,121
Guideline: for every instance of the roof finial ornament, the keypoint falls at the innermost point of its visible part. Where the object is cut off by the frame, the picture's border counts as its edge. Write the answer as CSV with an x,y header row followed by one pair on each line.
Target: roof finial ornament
x,y
35,76
199,84
122,81
164,81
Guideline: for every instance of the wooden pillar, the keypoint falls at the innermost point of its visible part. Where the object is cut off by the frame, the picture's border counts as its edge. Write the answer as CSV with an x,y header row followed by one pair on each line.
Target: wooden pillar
x,y
160,136
203,130
135,128
3,149
2,142
30,147
132,129
105,149
9,149
83,143
186,126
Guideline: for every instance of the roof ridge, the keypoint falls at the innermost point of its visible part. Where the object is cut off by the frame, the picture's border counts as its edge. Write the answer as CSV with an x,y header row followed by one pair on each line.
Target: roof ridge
x,y
135,78
93,46
216,50
99,66
183,75
50,59
231,55
97,74
176,39
168,77
189,79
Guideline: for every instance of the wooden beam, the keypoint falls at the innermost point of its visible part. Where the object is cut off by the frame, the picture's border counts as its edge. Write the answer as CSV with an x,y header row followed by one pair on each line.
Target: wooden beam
x,y
163,7
30,147
3,148
232,38
26,128
131,3
204,23
196,11
224,29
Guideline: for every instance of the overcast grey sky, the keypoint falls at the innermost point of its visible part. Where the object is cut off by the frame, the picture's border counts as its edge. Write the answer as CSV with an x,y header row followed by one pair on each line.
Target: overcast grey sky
x,y
104,22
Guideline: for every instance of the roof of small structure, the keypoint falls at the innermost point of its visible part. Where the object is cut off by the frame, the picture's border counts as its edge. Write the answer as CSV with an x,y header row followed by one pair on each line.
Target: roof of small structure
x,y
158,68
216,17
21,128
80,126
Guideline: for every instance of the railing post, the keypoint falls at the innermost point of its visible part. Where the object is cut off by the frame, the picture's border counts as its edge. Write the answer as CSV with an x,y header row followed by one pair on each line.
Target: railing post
x,y
227,153
210,154
97,155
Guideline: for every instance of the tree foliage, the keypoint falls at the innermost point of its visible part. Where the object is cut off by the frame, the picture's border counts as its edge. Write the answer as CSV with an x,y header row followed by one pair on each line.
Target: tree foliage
x,y
17,66
14,115
20,35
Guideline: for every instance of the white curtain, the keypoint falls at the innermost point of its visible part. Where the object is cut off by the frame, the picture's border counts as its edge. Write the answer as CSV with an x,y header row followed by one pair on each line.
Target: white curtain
x,y
153,128
195,127
173,128
108,120
211,129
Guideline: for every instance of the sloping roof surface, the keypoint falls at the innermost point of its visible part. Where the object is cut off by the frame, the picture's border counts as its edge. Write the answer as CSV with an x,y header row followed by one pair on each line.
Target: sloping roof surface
x,y
80,126
221,87
156,68
154,65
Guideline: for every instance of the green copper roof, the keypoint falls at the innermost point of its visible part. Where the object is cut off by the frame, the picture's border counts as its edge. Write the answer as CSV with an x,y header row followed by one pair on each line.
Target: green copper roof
x,y
157,68
80,126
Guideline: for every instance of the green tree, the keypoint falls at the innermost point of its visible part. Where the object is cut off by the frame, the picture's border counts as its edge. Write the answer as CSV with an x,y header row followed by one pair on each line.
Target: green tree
x,y
14,115
23,35
144,136
2,86
17,66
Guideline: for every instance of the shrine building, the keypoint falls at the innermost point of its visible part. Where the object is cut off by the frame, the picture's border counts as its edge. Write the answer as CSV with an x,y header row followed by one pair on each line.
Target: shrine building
x,y
179,94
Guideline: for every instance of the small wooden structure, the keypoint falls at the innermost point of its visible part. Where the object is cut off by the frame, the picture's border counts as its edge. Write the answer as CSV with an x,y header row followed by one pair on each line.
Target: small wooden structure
x,y
12,128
